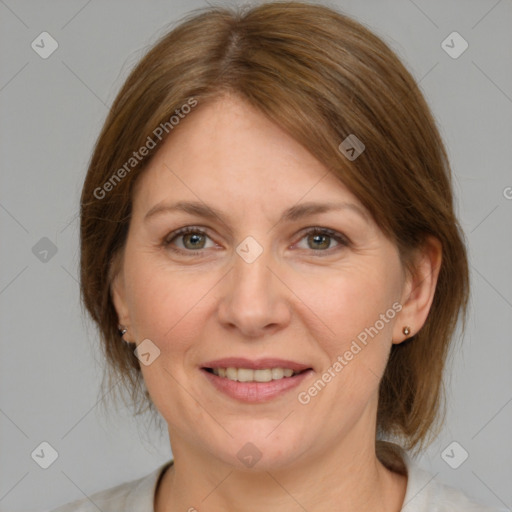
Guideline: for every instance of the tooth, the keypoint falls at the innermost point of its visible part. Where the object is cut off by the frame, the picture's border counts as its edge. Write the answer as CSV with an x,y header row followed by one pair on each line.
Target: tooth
x,y
245,375
263,375
277,373
232,373
250,375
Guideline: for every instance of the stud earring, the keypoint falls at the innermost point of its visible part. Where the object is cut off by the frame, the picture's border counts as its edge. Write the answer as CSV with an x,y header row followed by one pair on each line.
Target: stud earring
x,y
122,330
406,330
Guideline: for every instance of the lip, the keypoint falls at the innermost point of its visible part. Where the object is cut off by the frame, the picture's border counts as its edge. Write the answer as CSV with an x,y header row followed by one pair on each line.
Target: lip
x,y
255,364
255,392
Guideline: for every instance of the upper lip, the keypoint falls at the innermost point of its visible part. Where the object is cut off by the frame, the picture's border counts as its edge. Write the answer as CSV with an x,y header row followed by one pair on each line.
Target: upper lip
x,y
255,364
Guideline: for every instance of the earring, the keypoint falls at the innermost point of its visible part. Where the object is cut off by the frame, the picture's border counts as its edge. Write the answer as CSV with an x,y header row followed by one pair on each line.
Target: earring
x,y
406,330
122,330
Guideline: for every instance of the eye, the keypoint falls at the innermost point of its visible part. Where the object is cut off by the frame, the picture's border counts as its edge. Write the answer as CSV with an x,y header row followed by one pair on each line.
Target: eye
x,y
320,240
192,240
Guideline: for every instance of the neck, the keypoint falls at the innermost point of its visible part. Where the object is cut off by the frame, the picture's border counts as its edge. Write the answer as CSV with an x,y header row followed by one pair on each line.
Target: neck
x,y
348,478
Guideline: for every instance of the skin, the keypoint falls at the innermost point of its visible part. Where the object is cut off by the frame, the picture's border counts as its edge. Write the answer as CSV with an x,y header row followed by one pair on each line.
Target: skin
x,y
302,299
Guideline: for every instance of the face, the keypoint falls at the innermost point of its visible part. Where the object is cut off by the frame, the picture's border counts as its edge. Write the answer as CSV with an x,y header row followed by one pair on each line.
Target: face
x,y
265,281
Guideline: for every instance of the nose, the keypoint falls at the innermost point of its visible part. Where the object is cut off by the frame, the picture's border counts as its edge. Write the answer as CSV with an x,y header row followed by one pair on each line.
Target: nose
x,y
255,301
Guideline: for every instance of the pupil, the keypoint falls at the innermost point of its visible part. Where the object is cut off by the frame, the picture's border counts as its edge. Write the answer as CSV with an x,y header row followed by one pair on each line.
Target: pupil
x,y
195,238
318,238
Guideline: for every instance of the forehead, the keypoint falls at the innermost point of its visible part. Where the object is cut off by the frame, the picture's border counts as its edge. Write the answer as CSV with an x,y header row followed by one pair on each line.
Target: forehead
x,y
229,153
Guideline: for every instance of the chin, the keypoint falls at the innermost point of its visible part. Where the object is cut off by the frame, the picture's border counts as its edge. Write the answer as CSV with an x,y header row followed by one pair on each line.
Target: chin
x,y
263,452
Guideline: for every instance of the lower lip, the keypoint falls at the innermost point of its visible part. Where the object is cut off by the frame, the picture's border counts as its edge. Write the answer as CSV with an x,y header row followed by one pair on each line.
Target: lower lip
x,y
255,392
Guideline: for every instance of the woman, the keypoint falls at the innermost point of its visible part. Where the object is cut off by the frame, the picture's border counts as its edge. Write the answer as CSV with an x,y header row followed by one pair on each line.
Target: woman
x,y
268,222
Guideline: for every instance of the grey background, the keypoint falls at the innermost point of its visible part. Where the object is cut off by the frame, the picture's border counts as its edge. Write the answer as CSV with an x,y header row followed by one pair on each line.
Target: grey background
x,y
51,113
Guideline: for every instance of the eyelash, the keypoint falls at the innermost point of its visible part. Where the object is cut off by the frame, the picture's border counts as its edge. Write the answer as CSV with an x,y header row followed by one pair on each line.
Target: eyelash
x,y
338,237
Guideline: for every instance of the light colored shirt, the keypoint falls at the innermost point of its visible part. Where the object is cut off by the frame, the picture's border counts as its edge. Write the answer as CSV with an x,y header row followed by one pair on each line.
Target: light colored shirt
x,y
423,494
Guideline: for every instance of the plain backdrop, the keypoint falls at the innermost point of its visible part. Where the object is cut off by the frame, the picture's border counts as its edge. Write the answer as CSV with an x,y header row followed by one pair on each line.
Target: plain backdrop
x,y
51,112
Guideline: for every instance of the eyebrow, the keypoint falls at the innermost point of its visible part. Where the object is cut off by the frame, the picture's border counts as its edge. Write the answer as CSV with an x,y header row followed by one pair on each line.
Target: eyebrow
x,y
293,213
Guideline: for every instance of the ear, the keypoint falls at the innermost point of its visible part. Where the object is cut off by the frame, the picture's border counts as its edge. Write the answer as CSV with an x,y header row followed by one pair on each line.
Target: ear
x,y
118,294
419,289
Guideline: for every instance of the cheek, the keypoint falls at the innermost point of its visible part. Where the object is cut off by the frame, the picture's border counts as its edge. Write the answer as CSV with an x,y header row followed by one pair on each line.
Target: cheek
x,y
166,304
168,307
349,302
354,338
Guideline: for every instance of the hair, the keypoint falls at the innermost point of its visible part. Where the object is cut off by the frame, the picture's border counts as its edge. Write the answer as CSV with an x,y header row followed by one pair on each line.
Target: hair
x,y
321,76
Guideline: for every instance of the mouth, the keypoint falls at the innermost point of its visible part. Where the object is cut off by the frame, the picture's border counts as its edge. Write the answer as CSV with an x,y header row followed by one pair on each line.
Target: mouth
x,y
250,375
255,381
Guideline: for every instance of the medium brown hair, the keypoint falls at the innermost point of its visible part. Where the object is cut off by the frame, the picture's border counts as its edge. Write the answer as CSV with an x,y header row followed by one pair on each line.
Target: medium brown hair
x,y
320,76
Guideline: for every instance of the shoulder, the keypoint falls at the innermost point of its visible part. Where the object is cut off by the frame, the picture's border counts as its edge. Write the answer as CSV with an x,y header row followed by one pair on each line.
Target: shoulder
x,y
426,494
136,495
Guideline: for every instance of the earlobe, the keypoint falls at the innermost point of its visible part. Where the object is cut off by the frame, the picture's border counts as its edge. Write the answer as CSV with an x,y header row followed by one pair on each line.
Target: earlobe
x,y
419,290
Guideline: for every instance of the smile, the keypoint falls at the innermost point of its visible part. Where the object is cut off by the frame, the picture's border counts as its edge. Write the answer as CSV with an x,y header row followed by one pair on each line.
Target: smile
x,y
255,385
249,375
